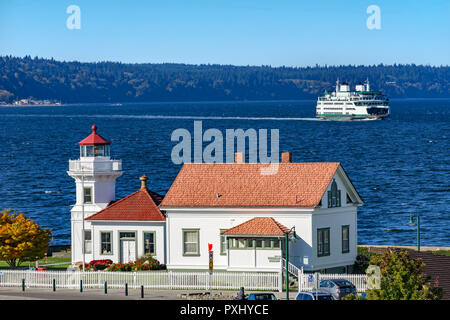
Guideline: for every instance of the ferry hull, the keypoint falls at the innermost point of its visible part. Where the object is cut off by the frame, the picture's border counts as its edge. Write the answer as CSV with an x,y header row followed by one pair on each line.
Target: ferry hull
x,y
340,117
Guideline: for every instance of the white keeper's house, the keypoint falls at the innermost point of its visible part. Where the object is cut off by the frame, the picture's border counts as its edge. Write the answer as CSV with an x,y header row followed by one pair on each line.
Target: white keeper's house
x,y
244,214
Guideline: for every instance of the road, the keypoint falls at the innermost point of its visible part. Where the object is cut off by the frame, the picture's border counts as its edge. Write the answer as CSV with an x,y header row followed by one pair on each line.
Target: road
x,y
16,293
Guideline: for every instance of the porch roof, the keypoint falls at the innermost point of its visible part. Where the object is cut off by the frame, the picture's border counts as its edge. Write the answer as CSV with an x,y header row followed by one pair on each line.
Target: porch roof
x,y
259,226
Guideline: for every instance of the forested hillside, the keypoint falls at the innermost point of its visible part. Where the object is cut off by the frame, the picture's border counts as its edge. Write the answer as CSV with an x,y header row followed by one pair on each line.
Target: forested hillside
x,y
71,82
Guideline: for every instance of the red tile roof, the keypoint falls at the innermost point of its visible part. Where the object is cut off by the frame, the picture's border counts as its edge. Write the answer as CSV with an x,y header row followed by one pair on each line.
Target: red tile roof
x,y
258,226
94,139
211,185
141,205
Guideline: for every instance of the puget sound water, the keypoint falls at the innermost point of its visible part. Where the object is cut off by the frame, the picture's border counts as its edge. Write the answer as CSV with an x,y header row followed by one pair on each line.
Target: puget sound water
x,y
399,166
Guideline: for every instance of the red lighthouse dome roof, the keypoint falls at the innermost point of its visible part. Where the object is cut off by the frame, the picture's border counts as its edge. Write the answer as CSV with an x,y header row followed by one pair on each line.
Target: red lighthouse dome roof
x,y
94,139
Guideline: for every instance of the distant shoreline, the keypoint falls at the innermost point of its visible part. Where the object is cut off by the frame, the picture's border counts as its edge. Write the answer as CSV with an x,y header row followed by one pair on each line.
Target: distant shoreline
x,y
112,104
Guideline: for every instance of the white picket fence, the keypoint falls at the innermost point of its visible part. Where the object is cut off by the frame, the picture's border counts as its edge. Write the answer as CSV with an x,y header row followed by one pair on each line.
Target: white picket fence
x,y
150,279
307,282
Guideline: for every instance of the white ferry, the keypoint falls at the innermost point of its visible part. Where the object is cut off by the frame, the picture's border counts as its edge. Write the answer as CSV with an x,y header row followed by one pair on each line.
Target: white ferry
x,y
361,104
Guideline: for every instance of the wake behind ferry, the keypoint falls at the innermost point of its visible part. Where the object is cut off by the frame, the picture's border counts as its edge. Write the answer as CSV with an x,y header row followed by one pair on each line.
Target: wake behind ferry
x,y
361,104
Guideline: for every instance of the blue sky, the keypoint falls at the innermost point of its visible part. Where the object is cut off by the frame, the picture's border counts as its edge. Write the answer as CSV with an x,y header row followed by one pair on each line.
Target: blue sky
x,y
239,32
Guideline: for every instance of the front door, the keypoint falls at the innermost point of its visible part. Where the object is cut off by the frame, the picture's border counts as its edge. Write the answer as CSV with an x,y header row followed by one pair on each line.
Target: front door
x,y
127,251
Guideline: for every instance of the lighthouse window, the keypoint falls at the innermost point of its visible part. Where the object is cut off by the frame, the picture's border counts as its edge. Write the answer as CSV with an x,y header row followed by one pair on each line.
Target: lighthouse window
x,y
89,151
99,151
87,196
83,151
87,241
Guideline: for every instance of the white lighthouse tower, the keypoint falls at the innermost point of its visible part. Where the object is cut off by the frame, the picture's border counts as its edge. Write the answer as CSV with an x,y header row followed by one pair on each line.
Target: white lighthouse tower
x,y
95,175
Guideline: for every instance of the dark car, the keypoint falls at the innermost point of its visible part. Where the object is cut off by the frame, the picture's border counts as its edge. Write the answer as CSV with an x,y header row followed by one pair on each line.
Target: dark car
x,y
338,288
261,296
314,295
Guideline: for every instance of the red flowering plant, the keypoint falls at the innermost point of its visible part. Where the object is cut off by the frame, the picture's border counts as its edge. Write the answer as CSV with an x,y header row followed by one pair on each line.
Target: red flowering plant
x,y
95,265
141,264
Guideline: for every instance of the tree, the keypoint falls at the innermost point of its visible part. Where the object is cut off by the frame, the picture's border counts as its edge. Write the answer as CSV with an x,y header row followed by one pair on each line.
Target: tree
x,y
402,278
21,239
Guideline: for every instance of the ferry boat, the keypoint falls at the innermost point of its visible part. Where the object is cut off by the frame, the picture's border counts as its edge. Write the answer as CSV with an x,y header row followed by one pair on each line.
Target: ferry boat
x,y
361,104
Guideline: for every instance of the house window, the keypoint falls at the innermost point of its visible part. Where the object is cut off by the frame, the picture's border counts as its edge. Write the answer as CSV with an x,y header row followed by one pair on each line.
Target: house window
x,y
87,195
223,243
87,241
106,242
149,243
323,242
191,242
251,243
334,196
276,244
345,239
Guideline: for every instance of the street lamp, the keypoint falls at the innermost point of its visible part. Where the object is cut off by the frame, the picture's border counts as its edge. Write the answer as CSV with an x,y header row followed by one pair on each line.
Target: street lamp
x,y
412,224
286,240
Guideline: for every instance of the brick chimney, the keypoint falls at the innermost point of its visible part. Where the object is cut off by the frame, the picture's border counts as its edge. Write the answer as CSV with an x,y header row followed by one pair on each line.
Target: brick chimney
x,y
143,182
239,157
286,157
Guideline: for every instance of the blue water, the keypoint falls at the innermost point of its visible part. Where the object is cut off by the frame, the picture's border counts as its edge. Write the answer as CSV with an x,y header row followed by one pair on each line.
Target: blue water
x,y
399,166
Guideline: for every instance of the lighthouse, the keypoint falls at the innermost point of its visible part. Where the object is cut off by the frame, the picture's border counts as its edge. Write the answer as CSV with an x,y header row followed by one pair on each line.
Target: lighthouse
x,y
95,175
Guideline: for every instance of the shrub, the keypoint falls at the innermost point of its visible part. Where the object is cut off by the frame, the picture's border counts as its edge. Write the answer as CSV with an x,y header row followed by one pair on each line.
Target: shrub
x,y
95,265
142,264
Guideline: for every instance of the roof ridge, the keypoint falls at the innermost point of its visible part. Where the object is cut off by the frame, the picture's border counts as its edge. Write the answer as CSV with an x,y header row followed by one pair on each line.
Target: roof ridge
x,y
113,204
152,205
147,192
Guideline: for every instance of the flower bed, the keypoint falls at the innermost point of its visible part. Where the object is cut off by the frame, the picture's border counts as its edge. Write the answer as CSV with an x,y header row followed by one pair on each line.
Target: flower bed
x,y
95,265
142,264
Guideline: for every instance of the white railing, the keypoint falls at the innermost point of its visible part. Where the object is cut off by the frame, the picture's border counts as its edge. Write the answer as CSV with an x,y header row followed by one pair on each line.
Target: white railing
x,y
292,269
307,282
100,166
148,279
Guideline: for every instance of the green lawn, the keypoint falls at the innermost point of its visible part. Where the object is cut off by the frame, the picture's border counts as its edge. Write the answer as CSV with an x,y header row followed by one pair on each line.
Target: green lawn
x,y
50,260
442,252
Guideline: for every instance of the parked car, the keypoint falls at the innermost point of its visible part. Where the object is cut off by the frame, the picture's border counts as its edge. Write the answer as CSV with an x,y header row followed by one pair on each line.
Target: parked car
x,y
338,288
314,295
261,296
